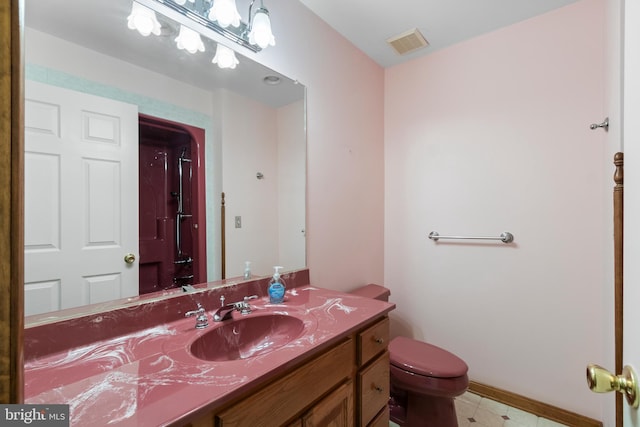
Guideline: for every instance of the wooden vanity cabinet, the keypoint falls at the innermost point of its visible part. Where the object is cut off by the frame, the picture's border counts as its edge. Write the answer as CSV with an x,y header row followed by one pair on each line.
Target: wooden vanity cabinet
x,y
373,375
334,410
275,404
345,386
382,419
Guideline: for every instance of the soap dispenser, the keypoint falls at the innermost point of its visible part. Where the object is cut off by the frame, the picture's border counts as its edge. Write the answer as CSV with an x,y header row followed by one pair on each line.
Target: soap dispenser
x,y
247,269
276,287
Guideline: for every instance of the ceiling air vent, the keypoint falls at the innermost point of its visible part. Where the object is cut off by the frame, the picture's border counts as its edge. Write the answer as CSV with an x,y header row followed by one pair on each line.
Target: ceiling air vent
x,y
408,41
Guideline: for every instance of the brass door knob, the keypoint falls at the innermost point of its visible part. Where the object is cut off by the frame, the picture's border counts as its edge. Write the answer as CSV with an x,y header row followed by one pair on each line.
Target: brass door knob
x,y
602,381
129,258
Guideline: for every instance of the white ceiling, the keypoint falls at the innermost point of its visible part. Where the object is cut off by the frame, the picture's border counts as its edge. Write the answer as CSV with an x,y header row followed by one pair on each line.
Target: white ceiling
x,y
100,25
369,23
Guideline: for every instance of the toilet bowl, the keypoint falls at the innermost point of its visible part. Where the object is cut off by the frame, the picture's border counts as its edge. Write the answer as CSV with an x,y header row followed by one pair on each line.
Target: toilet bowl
x,y
425,378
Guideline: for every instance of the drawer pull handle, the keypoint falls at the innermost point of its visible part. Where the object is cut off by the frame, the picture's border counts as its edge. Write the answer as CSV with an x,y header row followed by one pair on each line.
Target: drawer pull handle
x,y
379,340
378,388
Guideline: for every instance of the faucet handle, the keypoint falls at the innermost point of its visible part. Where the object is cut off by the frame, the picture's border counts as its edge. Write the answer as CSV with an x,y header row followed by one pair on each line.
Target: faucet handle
x,y
199,310
201,319
243,306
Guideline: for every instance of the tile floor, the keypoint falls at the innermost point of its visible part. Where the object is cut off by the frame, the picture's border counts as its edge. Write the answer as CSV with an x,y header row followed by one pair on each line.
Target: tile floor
x,y
476,411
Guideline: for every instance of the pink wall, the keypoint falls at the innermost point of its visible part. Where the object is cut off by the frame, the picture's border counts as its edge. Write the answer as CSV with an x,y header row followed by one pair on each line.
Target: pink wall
x,y
492,135
345,166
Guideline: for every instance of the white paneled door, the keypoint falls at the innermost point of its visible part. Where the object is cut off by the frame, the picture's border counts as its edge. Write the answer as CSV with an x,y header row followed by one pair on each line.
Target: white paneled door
x,y
81,199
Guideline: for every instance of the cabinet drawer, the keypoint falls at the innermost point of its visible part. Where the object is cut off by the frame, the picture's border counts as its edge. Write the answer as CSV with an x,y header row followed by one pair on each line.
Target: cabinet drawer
x,y
278,402
373,387
373,341
382,419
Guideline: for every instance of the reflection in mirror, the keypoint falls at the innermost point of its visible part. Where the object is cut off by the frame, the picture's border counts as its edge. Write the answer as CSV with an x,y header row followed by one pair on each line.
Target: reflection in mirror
x,y
130,144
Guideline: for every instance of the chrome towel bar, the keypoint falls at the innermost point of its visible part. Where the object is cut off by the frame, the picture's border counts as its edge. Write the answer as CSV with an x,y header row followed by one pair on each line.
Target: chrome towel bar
x,y
505,237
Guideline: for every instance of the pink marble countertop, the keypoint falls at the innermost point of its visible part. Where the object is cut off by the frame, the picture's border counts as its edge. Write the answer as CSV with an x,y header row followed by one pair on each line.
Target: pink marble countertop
x,y
148,377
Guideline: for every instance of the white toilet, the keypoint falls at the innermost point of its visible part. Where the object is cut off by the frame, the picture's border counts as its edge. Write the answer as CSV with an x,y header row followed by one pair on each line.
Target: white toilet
x,y
424,378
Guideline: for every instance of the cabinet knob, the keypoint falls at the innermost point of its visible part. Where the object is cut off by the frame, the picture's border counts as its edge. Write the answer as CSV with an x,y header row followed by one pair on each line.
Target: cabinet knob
x,y
379,340
378,388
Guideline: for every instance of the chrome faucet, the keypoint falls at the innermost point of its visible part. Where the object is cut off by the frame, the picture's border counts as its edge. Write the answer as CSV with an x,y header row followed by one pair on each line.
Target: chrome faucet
x,y
201,319
225,311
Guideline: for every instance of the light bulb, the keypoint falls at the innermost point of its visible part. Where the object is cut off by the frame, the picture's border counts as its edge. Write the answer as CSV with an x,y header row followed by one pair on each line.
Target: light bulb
x,y
143,20
225,57
261,30
225,12
189,40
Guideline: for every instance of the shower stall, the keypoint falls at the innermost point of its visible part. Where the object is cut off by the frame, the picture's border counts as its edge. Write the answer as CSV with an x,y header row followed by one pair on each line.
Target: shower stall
x,y
171,197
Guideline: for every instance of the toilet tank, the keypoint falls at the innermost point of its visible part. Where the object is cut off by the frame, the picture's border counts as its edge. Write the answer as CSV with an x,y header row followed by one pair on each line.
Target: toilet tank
x,y
373,291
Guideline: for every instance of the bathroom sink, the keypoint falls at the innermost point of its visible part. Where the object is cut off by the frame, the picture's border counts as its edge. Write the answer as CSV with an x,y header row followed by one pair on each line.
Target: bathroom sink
x,y
247,337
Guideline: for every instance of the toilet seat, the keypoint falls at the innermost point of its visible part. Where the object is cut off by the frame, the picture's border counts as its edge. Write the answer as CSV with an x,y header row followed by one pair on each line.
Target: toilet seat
x,y
425,359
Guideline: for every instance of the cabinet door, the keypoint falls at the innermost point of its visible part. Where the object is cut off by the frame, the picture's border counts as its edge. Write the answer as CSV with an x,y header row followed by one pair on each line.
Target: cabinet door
x,y
382,419
335,410
373,385
283,399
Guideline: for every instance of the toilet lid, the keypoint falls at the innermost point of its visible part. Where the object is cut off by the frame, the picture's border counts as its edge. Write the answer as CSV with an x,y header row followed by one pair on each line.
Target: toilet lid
x,y
425,359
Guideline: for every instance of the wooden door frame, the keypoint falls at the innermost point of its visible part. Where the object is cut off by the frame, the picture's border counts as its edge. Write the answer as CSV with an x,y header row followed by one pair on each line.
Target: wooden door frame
x,y
618,240
11,201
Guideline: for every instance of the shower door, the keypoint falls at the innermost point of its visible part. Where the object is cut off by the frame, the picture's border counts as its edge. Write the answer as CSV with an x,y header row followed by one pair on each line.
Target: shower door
x,y
81,202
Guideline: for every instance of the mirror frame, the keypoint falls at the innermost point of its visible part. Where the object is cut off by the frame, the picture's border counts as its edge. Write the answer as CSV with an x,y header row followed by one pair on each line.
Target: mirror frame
x,y
11,202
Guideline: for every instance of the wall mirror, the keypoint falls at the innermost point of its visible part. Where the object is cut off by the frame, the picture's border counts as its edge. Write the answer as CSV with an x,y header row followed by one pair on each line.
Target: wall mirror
x,y
230,131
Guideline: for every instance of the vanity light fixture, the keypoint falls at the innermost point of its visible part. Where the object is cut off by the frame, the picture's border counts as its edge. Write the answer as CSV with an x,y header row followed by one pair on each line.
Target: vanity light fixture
x,y
189,40
260,28
225,57
205,17
225,13
143,20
